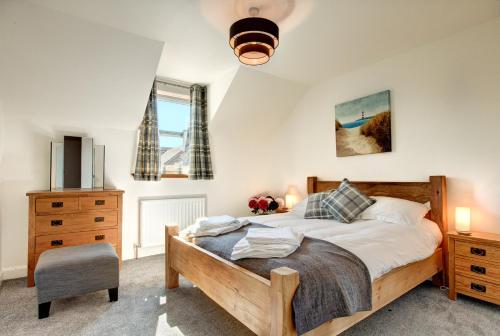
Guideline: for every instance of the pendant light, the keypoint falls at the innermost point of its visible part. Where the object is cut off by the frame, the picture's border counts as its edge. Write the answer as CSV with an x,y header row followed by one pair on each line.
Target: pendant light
x,y
254,39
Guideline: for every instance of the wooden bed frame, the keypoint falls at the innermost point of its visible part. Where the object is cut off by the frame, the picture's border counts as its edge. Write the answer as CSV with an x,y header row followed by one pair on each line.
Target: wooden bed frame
x,y
265,306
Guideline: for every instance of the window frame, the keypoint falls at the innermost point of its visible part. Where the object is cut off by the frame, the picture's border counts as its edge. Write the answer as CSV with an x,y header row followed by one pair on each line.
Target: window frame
x,y
176,99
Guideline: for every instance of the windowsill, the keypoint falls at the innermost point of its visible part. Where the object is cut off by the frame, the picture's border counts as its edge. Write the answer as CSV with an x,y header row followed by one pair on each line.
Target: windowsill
x,y
173,175
182,176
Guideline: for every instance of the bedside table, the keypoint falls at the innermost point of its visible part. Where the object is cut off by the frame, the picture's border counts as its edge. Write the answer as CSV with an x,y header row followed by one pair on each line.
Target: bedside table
x,y
474,265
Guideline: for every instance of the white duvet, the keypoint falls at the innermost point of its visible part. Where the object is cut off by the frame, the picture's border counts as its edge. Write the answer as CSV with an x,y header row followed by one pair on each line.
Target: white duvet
x,y
382,246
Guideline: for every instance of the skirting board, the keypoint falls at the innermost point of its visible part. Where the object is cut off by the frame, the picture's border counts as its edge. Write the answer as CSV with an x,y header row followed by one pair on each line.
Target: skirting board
x,y
14,272
149,251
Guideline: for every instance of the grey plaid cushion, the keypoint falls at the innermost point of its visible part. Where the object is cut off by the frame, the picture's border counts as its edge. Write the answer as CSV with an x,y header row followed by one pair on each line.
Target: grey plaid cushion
x,y
346,202
314,209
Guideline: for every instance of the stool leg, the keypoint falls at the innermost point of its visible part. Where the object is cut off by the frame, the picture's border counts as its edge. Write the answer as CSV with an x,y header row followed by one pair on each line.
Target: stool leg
x,y
43,310
113,294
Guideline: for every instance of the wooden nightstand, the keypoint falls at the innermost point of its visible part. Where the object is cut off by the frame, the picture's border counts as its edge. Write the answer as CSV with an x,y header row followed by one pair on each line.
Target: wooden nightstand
x,y
474,265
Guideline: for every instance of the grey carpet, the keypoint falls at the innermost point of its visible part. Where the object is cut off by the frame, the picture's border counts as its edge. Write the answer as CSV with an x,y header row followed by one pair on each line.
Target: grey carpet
x,y
144,309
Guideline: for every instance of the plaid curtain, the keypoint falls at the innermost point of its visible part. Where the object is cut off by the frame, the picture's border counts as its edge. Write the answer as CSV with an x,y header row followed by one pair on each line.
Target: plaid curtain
x,y
200,162
147,164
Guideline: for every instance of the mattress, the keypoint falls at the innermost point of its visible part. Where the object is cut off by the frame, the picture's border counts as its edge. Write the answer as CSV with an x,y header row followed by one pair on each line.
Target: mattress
x,y
382,246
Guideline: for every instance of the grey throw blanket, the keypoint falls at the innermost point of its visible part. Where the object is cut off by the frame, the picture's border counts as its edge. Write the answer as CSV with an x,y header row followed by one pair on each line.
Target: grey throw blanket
x,y
333,281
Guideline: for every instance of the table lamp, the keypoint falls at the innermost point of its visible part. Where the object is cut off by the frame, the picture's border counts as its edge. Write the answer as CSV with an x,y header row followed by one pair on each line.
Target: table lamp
x,y
462,220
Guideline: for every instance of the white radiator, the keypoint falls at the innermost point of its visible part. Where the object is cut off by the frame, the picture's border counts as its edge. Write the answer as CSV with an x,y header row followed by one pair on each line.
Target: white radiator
x,y
154,214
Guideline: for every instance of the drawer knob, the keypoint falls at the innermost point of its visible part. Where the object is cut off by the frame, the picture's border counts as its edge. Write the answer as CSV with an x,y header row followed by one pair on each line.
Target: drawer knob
x,y
478,269
56,242
478,251
100,202
99,219
56,222
57,204
100,237
478,287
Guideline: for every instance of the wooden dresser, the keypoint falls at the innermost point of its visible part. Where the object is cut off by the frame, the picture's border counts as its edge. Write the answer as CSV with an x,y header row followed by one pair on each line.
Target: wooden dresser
x,y
474,263
72,217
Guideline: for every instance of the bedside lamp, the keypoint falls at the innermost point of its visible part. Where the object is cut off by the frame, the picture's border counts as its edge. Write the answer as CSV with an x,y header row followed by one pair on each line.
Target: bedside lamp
x,y
290,197
290,200
462,220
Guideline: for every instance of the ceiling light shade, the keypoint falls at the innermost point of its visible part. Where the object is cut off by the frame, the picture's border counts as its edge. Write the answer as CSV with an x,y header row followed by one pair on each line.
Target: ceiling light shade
x,y
254,40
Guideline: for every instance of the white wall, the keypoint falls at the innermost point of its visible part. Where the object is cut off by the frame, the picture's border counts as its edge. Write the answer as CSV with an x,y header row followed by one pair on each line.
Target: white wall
x,y
66,76
445,104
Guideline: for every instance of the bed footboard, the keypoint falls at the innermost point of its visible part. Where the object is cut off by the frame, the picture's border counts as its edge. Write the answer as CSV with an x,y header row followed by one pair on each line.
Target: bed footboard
x,y
264,306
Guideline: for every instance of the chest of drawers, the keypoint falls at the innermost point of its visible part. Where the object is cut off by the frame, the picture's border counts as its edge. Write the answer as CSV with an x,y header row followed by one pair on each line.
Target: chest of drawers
x,y
72,217
474,263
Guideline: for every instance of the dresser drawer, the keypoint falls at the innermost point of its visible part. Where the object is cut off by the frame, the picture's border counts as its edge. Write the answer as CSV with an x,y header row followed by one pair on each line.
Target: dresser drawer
x,y
56,205
43,243
477,251
96,220
478,269
477,288
98,202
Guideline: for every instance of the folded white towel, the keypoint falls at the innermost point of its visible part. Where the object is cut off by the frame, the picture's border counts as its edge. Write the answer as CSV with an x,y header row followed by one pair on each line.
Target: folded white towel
x,y
244,249
267,243
196,230
216,221
274,236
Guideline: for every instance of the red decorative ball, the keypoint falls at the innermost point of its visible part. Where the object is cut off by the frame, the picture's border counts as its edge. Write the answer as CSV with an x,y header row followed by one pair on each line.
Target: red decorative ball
x,y
263,204
252,203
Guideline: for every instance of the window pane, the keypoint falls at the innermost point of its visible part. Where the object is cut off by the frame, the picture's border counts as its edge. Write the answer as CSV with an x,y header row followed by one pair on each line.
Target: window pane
x,y
173,116
173,122
169,142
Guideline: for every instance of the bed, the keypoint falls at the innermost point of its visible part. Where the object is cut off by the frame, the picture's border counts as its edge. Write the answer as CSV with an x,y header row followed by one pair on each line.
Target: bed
x,y
265,306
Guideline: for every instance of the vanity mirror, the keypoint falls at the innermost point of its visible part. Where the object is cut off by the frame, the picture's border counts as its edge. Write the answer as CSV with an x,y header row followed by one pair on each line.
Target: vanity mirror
x,y
76,163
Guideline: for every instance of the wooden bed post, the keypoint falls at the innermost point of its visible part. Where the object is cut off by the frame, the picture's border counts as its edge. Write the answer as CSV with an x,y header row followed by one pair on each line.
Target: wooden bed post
x,y
440,216
284,283
312,184
171,275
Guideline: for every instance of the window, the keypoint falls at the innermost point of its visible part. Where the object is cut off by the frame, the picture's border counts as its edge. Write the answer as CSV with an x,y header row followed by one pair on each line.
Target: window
x,y
173,104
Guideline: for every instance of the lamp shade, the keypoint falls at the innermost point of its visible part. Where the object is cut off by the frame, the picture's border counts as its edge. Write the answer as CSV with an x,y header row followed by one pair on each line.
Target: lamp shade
x,y
290,200
292,196
462,219
254,40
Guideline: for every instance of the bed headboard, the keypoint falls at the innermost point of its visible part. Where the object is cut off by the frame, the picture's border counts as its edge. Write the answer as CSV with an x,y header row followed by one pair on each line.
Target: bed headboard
x,y
434,191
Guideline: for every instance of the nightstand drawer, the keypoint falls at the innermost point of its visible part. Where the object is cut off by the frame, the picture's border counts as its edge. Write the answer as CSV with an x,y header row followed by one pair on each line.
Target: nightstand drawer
x,y
478,269
54,224
72,239
477,251
478,288
98,202
57,205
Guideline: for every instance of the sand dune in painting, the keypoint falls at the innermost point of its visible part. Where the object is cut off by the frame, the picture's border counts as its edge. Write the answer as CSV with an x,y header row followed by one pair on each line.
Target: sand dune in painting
x,y
350,141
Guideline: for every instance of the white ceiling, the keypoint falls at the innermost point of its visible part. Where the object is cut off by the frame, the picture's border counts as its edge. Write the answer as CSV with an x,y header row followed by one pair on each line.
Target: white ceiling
x,y
319,38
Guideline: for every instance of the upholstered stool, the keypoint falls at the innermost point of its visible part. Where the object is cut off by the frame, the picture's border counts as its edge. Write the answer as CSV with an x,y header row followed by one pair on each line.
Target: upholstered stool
x,y
70,271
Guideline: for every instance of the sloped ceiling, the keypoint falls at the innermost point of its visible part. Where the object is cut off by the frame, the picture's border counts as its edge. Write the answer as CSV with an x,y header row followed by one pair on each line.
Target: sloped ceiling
x,y
254,105
319,38
80,73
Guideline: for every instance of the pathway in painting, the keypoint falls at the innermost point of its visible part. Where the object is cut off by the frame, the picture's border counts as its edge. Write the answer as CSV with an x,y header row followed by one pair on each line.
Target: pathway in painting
x,y
350,141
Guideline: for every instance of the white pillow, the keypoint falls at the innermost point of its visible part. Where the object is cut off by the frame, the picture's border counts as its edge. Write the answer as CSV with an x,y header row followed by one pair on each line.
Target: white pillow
x,y
396,210
299,209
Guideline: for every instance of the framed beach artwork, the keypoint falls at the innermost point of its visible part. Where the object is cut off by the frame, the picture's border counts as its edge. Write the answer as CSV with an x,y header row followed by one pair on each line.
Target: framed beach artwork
x,y
363,125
